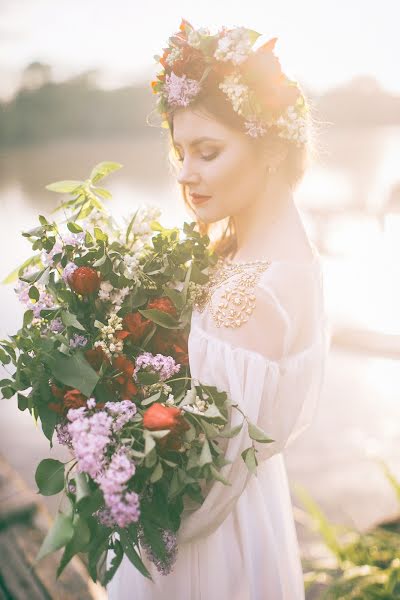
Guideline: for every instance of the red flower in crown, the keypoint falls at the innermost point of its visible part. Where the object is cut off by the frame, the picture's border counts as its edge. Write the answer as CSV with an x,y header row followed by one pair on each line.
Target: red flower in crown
x,y
263,74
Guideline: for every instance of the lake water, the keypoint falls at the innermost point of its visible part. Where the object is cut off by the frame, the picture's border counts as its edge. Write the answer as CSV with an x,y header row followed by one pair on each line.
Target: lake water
x,y
342,199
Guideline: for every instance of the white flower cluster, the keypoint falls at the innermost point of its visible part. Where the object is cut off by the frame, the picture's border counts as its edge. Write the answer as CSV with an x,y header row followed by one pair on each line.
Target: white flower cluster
x,y
236,91
293,126
194,37
255,128
175,54
234,46
199,406
107,293
131,267
110,344
170,401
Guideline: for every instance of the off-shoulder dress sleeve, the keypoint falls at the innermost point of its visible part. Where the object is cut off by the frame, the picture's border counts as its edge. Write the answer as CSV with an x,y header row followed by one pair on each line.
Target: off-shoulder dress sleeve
x,y
264,344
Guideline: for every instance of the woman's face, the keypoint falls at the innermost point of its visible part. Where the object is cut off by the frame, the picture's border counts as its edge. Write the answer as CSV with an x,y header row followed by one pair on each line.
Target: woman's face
x,y
219,164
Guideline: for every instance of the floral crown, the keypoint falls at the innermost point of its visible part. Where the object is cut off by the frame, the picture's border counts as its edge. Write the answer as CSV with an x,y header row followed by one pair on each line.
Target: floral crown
x,y
252,80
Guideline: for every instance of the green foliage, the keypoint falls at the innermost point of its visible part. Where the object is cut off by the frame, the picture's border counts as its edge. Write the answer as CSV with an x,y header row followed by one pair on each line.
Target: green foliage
x,y
367,565
49,476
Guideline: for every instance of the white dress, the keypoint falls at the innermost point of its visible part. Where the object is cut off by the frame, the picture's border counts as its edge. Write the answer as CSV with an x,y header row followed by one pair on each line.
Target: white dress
x,y
263,337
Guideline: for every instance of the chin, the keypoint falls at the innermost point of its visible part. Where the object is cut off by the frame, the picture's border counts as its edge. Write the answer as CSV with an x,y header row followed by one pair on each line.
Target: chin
x,y
208,215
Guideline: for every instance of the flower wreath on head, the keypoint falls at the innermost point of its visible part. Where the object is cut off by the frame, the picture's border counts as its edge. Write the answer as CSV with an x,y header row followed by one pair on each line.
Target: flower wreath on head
x,y
252,80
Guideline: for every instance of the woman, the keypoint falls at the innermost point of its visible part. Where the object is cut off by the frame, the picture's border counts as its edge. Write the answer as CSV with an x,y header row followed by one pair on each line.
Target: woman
x,y
239,129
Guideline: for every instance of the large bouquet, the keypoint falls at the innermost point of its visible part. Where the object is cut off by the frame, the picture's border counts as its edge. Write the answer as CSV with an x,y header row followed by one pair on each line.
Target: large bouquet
x,y
101,360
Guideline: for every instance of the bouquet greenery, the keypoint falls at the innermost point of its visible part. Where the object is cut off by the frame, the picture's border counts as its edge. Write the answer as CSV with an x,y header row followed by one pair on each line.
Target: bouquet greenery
x,y
101,360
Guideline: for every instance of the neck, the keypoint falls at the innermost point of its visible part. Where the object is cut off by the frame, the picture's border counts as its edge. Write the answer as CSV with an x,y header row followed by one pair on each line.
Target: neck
x,y
259,227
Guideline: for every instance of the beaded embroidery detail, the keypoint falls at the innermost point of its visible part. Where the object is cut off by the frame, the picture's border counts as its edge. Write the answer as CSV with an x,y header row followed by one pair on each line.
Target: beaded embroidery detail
x,y
237,301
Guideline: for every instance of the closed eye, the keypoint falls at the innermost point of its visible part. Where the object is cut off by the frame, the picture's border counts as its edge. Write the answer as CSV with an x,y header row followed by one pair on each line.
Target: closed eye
x,y
206,157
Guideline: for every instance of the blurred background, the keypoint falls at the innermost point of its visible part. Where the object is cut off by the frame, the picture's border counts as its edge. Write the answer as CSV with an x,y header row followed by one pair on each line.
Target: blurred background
x,y
75,90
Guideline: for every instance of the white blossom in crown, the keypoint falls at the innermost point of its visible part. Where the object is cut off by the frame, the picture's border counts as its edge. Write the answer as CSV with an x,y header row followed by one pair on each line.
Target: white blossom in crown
x,y
236,91
293,126
234,46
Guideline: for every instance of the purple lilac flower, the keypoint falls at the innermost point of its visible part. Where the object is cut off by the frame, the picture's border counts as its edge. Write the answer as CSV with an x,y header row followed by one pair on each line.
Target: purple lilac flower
x,y
104,517
45,300
47,257
123,506
68,270
165,366
74,239
63,435
170,540
124,411
78,341
71,488
91,403
180,90
90,436
56,326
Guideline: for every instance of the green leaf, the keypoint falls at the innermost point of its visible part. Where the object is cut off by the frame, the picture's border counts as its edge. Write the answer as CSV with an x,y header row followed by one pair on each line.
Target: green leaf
x,y
205,455
33,293
258,434
70,320
132,554
100,235
217,475
74,227
82,486
49,476
160,318
149,442
115,562
157,473
103,193
151,399
103,169
249,457
229,433
68,186
58,536
146,378
176,297
4,358
78,542
28,316
74,371
32,261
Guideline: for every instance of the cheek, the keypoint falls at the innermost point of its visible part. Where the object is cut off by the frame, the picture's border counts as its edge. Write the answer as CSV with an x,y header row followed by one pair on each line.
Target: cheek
x,y
237,179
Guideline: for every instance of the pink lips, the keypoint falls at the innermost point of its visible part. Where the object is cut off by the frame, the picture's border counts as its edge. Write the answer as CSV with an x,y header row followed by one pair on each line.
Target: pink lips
x,y
199,199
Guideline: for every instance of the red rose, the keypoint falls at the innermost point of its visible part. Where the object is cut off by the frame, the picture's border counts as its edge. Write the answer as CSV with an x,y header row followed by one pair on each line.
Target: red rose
x,y
171,343
96,358
123,364
124,381
135,327
84,280
164,304
74,399
159,417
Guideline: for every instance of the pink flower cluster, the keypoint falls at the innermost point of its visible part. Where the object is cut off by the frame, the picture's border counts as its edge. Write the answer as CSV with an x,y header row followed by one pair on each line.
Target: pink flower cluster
x,y
165,366
180,91
122,507
91,437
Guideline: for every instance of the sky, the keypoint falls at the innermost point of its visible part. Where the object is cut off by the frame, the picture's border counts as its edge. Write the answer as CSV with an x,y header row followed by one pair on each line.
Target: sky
x,y
321,43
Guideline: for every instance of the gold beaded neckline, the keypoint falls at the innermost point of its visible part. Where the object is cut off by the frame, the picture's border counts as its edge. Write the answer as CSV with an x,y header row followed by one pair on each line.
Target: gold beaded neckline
x,y
237,299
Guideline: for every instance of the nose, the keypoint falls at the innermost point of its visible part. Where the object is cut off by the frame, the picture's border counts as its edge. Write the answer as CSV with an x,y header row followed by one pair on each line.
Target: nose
x,y
187,175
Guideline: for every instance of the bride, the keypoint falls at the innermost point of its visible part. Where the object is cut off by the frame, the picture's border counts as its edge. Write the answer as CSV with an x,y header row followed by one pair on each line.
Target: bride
x,y
240,130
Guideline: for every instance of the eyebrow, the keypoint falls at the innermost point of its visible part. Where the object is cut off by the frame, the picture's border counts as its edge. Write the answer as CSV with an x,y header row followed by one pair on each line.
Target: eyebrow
x,y
199,140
